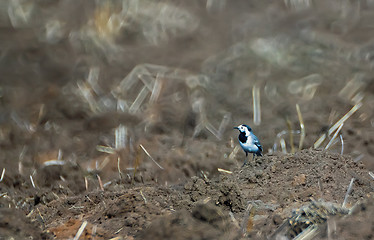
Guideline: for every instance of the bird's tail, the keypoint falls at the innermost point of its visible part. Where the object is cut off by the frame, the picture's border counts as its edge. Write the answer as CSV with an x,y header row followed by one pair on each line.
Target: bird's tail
x,y
258,153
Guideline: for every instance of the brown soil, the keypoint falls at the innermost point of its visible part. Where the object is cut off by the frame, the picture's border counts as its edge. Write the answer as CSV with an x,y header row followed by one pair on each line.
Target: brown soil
x,y
200,209
170,179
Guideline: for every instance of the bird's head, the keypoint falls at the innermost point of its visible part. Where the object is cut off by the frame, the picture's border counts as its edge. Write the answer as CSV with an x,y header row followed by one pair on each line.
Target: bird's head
x,y
244,128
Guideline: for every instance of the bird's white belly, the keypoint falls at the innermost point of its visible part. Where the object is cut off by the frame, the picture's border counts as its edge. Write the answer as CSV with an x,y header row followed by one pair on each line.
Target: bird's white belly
x,y
248,146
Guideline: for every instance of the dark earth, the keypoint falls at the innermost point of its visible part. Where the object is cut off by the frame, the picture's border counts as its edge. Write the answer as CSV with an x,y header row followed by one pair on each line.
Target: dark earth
x,y
116,119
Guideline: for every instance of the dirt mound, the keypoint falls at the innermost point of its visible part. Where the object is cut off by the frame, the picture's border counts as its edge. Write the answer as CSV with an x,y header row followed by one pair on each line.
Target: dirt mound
x,y
307,174
274,185
254,199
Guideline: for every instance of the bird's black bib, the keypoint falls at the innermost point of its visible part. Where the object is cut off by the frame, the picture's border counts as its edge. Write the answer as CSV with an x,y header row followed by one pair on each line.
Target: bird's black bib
x,y
242,137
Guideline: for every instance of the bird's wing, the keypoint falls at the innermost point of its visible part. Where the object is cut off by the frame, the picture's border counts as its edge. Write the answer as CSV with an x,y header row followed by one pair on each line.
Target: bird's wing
x,y
257,142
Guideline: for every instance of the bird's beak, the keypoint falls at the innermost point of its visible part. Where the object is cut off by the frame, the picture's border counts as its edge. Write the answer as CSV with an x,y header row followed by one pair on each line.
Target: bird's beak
x,y
236,128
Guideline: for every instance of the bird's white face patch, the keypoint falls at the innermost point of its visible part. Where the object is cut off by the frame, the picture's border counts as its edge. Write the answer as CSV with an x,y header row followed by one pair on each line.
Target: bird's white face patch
x,y
243,128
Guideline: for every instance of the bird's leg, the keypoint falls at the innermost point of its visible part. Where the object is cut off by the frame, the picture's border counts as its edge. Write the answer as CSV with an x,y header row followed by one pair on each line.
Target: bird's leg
x,y
254,155
245,162
246,159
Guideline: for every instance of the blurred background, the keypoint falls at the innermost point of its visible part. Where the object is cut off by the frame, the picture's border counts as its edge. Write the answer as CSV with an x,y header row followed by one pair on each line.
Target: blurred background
x,y
152,89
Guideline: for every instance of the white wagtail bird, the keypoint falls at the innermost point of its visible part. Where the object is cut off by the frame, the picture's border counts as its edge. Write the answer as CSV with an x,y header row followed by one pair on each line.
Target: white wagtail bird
x,y
249,142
